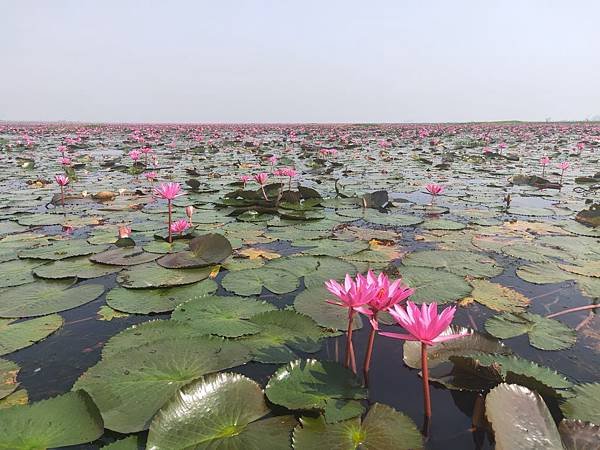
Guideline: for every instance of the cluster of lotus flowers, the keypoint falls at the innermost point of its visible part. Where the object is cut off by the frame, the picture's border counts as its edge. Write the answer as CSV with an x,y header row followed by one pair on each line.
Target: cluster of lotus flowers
x,y
370,295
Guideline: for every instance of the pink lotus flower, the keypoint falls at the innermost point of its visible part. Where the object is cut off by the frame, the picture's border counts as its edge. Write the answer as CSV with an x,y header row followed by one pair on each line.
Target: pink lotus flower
x,y
146,150
65,161
244,179
544,160
487,150
61,180
354,295
261,178
168,191
564,165
124,232
151,176
62,148
189,211
179,226
134,155
424,325
434,189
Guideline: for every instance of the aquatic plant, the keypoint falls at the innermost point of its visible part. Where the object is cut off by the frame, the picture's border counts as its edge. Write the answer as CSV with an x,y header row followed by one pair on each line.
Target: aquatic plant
x,y
169,191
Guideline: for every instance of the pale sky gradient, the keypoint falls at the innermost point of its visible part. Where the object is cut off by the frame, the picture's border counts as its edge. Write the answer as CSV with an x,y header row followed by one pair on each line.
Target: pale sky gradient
x,y
299,61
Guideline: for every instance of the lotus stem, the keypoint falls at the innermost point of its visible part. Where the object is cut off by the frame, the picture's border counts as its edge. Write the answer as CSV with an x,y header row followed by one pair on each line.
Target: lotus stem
x,y
170,218
370,344
425,369
571,310
349,349
262,188
62,196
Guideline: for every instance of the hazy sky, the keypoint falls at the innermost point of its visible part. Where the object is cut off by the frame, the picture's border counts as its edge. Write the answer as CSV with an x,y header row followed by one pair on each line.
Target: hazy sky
x,y
299,61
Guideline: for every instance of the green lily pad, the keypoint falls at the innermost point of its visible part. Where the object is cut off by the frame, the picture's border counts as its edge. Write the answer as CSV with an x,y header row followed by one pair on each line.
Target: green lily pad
x,y
124,256
584,405
520,419
68,419
312,302
458,262
543,273
46,297
78,267
442,224
17,272
131,385
153,276
281,333
315,270
314,385
545,334
62,249
159,300
251,281
8,377
383,428
498,297
330,247
163,247
222,316
129,443
15,336
203,251
225,410
434,284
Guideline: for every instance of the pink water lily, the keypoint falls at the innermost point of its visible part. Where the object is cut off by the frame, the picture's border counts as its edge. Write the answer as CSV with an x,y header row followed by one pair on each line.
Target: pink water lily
x,y
434,189
425,326
564,165
134,155
189,212
124,232
151,176
261,178
62,149
64,161
544,161
62,181
179,226
289,172
354,295
169,191
244,179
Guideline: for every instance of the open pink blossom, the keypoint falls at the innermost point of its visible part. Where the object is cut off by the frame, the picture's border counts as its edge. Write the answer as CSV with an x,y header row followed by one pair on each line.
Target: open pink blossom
x,y
61,180
64,161
564,165
423,325
135,154
354,294
146,150
387,293
62,148
434,189
124,232
244,179
544,160
179,226
150,176
261,178
168,191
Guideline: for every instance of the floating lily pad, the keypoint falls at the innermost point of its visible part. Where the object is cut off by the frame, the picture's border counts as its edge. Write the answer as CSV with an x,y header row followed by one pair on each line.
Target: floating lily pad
x,y
129,443
383,428
163,247
159,300
252,281
458,262
313,385
434,284
498,297
17,335
312,302
281,333
220,411
545,334
78,267
222,316
15,273
584,406
62,249
46,297
68,419
124,256
520,419
442,224
130,386
8,377
204,251
152,275
315,270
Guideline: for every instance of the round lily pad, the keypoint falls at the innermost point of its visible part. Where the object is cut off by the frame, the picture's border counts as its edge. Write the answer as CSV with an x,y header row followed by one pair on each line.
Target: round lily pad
x,y
62,249
17,335
78,267
252,281
312,302
203,251
458,262
8,377
316,270
17,272
124,256
152,275
434,284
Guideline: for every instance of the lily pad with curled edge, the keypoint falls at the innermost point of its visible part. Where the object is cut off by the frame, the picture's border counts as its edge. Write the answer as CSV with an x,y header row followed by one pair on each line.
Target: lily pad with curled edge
x,y
67,419
583,268
17,272
282,333
8,377
531,211
520,419
78,267
383,428
46,297
224,410
203,251
331,247
316,385
434,285
458,262
153,276
543,273
312,302
251,281
442,351
131,385
124,256
584,405
316,270
544,333
533,252
222,316
17,335
159,300
442,224
62,249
